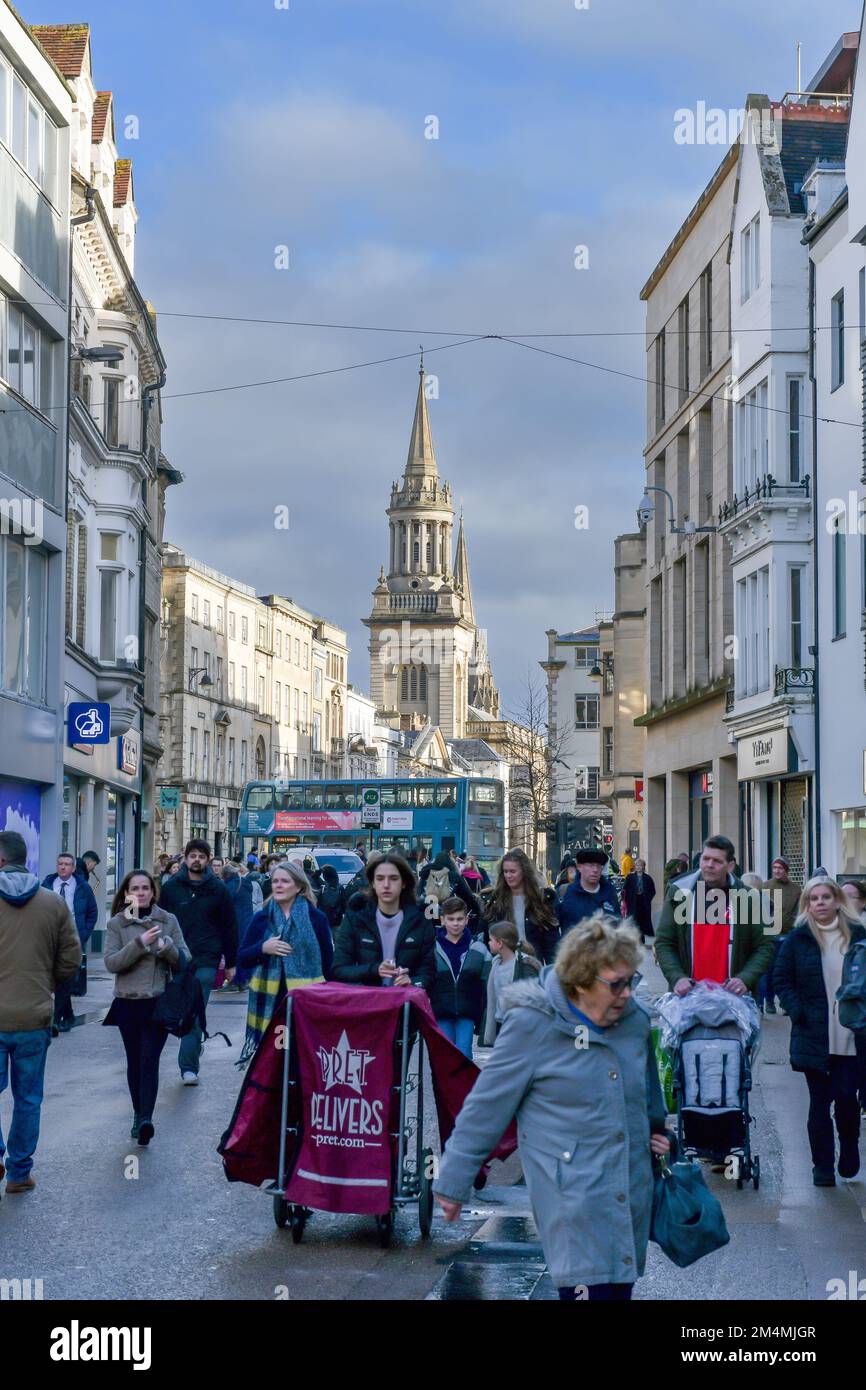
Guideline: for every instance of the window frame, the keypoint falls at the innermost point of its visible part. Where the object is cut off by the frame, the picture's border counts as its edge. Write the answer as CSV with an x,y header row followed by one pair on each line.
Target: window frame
x,y
837,340
586,700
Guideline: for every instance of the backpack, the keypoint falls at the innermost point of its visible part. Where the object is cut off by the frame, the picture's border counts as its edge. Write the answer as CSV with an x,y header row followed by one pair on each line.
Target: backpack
x,y
851,995
439,885
331,903
181,1006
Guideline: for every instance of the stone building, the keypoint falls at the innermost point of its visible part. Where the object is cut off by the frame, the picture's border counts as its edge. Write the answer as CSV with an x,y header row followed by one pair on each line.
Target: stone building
x,y
36,113
690,767
783,184
116,490
622,694
428,659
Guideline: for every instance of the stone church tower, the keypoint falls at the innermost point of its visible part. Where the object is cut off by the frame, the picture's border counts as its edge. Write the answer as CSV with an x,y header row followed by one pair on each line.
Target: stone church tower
x,y
428,661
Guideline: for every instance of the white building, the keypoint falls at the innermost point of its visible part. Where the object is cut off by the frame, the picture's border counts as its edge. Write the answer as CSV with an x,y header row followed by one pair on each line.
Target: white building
x,y
362,753
574,684
836,238
116,491
35,118
767,519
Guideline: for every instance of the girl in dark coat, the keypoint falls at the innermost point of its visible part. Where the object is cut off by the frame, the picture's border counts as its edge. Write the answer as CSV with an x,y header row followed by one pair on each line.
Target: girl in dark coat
x,y
384,937
521,897
639,891
806,976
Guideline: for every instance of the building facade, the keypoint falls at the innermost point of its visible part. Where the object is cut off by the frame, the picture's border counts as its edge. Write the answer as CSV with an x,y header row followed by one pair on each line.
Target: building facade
x,y
428,659
767,519
690,782
36,112
836,239
622,643
116,492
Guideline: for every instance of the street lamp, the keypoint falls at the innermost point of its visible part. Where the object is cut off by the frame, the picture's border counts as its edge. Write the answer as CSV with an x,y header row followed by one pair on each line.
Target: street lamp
x,y
198,678
646,511
110,356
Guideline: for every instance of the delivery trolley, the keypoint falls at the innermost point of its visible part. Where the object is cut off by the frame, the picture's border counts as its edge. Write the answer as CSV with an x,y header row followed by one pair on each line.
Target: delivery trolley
x,y
412,1164
712,1078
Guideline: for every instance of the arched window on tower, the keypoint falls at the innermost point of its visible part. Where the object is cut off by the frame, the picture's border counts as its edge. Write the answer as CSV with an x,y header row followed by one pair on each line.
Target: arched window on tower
x,y
416,552
422,683
404,683
429,554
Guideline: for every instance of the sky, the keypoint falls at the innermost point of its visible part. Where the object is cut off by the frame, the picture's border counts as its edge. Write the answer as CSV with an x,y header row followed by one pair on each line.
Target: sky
x,y
305,127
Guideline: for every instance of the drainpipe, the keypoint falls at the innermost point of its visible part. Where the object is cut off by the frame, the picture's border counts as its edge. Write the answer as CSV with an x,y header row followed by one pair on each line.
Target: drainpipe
x,y
816,780
86,216
146,395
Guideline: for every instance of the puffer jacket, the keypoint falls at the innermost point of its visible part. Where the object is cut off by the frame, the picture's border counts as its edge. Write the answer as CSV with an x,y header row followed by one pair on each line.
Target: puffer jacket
x,y
462,995
584,1117
142,972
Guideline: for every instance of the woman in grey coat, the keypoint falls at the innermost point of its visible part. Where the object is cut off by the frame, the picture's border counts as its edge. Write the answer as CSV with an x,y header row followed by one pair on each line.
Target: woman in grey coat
x,y
574,1063
143,944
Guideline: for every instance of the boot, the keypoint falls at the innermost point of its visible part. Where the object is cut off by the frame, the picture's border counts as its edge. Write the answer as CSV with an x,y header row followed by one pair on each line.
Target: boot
x,y
145,1132
849,1158
136,1122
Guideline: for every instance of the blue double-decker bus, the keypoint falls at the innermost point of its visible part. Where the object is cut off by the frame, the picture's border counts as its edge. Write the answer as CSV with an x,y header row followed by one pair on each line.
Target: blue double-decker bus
x,y
464,813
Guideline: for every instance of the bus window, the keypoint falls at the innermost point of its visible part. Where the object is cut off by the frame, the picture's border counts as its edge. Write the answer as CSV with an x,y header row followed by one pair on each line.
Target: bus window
x,y
423,797
259,799
292,798
446,796
315,795
399,795
401,843
337,799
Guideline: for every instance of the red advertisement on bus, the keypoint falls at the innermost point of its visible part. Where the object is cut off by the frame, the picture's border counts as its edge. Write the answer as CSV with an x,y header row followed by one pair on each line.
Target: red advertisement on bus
x,y
316,820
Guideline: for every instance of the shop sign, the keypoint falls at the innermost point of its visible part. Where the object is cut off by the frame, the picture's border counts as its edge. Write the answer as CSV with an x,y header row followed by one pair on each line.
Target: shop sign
x,y
169,798
763,755
88,722
127,752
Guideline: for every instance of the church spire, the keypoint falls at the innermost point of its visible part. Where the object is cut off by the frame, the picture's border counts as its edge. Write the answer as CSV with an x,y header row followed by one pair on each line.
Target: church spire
x,y
421,462
461,572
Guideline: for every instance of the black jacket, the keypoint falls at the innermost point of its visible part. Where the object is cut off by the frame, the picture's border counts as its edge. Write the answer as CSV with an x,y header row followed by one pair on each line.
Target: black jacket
x,y
639,906
543,940
358,946
798,979
465,996
206,916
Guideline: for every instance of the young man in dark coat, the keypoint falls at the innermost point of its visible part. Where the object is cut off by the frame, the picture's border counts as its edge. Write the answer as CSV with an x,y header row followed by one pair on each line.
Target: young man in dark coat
x,y
203,908
589,893
78,896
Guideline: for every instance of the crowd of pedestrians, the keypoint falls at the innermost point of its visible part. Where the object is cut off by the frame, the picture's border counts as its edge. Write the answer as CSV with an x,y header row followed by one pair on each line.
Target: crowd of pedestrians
x,y
517,964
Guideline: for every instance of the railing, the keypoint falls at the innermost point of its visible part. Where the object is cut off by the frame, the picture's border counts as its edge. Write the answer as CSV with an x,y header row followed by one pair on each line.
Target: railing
x,y
415,603
794,679
826,99
764,490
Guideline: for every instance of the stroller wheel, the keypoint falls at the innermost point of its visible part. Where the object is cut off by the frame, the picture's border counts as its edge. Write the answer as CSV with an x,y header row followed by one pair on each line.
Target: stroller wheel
x,y
298,1221
281,1212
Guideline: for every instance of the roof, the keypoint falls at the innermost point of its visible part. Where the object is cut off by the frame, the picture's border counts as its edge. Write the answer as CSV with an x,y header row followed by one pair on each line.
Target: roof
x,y
122,182
65,44
807,139
474,750
587,634
837,70
421,460
101,108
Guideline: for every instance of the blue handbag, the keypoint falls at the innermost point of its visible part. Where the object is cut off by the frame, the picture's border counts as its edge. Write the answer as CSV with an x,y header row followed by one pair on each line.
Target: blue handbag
x,y
687,1221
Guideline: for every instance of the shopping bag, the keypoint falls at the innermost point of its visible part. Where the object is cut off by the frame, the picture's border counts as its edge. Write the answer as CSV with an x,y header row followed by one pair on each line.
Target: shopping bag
x,y
79,981
687,1221
665,1068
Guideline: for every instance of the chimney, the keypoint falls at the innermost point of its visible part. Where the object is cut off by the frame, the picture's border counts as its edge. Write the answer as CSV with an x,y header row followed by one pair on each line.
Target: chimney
x,y
821,187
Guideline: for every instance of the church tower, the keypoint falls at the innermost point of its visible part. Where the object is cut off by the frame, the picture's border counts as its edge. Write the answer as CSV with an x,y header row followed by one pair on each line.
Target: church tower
x,y
424,645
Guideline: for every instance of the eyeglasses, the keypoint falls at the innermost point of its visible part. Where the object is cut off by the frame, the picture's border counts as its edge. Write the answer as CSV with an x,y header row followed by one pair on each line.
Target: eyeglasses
x,y
624,982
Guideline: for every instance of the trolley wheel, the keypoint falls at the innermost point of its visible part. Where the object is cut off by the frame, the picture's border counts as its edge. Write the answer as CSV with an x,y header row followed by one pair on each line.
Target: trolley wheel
x,y
299,1221
756,1172
385,1227
425,1196
281,1213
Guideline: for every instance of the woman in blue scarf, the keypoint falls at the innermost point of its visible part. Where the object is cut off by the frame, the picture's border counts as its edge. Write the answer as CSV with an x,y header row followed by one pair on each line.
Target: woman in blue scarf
x,y
287,944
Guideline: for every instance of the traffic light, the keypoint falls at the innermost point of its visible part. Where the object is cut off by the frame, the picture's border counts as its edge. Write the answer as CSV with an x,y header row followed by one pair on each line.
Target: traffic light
x,y
596,834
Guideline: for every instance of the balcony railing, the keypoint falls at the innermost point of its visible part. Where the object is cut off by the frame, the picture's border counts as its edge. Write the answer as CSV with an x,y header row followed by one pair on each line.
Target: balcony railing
x,y
764,490
414,603
794,680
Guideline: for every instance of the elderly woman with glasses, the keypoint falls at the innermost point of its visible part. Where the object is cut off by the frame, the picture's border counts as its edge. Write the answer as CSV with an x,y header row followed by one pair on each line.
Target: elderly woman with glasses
x,y
574,1064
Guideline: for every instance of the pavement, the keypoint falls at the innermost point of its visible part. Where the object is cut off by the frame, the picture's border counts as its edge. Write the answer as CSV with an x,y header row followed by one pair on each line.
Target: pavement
x,y
110,1220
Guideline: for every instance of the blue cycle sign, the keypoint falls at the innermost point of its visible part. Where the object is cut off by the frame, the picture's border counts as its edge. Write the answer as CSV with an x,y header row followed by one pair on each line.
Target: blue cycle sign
x,y
89,723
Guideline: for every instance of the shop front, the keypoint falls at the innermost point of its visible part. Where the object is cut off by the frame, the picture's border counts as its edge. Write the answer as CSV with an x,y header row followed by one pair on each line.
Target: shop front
x,y
101,806
776,810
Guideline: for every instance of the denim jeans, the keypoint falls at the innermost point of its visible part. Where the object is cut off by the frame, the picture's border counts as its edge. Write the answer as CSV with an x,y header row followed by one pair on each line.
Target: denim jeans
x,y
459,1031
22,1057
190,1046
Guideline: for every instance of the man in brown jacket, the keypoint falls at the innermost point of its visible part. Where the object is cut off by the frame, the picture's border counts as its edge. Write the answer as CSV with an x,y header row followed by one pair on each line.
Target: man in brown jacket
x,y
39,949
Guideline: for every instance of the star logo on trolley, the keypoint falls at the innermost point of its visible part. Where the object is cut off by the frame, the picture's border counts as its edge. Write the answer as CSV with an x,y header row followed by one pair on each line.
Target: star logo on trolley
x,y
344,1065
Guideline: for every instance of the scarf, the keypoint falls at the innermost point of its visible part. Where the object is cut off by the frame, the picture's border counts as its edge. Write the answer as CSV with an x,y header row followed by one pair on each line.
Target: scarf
x,y
268,980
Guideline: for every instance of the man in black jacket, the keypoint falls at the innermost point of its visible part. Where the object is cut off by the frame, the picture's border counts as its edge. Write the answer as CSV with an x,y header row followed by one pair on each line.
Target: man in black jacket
x,y
204,910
